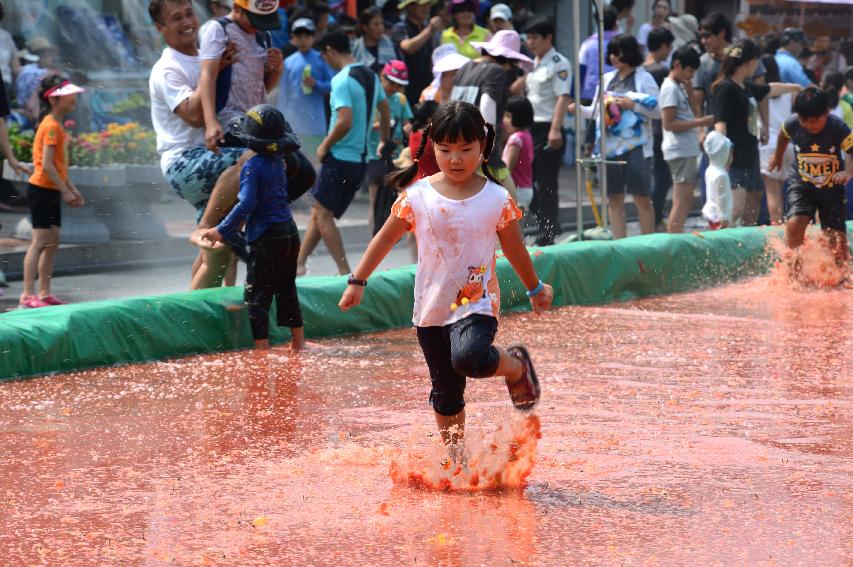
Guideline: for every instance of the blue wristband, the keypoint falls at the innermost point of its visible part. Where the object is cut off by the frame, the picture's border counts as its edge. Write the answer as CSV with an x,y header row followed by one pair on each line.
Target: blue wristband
x,y
536,290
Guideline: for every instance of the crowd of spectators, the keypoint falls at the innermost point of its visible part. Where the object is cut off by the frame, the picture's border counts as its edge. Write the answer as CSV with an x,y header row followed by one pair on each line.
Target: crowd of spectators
x,y
359,92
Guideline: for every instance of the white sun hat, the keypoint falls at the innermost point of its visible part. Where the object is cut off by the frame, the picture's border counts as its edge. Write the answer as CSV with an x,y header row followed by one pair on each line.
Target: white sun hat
x,y
447,58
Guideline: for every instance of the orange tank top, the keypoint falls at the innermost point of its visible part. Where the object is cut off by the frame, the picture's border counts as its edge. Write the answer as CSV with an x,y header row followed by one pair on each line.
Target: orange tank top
x,y
50,133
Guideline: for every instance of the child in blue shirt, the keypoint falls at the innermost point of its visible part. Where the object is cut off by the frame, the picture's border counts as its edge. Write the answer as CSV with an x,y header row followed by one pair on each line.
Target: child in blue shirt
x,y
270,230
305,83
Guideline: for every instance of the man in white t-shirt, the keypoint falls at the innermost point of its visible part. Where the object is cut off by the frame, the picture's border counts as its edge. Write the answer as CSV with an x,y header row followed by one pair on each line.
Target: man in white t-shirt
x,y
191,169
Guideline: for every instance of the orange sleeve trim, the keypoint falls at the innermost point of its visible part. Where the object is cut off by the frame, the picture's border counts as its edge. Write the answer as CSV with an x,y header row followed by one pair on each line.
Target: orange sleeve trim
x,y
509,213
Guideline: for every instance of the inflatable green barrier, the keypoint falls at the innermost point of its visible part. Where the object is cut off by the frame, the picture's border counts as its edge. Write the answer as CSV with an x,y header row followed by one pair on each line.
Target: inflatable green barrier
x,y
74,337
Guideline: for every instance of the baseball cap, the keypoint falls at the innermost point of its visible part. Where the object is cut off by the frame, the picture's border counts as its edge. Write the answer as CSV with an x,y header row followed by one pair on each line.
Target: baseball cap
x,y
405,3
305,24
263,14
793,34
500,12
396,72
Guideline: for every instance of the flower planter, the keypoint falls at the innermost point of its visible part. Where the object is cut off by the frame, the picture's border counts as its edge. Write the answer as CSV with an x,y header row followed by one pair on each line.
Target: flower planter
x,y
118,204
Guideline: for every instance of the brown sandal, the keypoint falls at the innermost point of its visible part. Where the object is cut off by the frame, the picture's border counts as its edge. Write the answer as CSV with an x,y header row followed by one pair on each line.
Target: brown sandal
x,y
525,391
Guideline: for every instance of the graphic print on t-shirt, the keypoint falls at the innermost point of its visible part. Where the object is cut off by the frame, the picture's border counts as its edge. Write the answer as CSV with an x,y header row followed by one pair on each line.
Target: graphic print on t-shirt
x,y
473,288
816,167
819,155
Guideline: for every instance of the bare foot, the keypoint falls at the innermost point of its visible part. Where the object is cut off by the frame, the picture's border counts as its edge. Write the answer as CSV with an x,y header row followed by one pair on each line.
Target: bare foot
x,y
297,348
301,270
262,344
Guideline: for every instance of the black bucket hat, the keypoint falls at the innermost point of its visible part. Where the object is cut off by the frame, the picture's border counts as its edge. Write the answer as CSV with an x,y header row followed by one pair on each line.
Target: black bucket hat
x,y
265,131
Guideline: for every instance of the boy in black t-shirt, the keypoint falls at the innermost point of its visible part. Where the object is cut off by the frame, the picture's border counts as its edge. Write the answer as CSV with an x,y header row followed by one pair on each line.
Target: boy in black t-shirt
x,y
818,177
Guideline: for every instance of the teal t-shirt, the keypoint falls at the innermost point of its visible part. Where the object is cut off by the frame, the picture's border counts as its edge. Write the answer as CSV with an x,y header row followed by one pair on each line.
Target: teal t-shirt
x,y
347,92
400,112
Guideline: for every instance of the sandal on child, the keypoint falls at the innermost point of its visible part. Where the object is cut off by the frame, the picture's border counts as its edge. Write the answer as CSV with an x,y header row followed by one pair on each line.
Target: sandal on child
x,y
53,300
32,302
525,391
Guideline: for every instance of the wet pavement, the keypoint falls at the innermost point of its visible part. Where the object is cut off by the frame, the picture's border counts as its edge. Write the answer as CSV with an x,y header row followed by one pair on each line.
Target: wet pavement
x,y
711,428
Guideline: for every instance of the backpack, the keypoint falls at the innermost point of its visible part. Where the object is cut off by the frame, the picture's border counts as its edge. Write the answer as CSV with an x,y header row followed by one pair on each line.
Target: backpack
x,y
223,80
367,79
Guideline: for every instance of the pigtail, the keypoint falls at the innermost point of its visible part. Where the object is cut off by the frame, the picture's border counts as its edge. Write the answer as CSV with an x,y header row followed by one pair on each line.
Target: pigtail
x,y
487,151
403,178
48,83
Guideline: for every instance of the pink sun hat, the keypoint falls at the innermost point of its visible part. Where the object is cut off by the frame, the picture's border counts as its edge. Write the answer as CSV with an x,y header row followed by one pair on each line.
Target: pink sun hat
x,y
65,88
505,43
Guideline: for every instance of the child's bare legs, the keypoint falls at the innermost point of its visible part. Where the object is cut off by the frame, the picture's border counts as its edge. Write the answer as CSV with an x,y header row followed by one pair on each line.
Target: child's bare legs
x,y
297,338
451,427
231,275
48,254
795,233
738,205
214,265
645,212
775,199
795,230
616,207
682,201
838,245
38,260
196,264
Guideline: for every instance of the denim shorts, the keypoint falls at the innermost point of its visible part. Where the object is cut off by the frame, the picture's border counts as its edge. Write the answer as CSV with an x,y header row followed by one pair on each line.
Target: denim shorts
x,y
634,177
454,352
748,178
337,184
195,172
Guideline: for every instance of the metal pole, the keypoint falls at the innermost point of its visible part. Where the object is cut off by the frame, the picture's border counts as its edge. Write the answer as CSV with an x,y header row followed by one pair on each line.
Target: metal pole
x,y
579,137
602,169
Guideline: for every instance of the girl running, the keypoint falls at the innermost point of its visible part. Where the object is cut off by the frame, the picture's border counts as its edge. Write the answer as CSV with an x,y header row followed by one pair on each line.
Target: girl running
x,y
455,216
48,187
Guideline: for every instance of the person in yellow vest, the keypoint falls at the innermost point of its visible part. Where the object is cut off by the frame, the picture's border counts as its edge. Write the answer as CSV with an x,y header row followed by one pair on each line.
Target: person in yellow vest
x,y
464,31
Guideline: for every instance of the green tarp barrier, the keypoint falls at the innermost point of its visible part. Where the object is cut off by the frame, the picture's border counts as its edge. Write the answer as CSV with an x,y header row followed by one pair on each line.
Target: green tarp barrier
x,y
102,333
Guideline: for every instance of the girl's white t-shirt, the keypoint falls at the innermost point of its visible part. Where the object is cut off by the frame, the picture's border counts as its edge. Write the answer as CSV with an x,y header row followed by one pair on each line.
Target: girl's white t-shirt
x,y
456,250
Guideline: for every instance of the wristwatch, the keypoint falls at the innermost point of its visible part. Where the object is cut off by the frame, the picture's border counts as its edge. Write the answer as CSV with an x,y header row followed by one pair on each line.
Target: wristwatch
x,y
352,280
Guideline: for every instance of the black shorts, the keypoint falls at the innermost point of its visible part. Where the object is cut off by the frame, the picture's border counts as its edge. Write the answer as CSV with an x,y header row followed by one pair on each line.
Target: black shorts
x,y
454,352
337,184
830,203
45,206
635,177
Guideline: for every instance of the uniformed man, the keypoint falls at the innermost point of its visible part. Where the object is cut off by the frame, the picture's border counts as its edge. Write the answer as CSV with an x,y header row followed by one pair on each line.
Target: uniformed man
x,y
548,87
